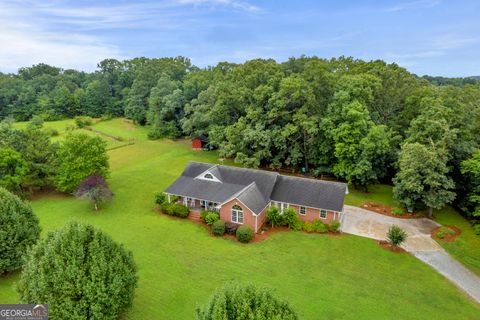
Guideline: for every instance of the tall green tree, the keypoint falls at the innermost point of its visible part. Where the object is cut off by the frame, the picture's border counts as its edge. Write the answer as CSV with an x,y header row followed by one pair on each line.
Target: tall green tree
x,y
80,156
471,169
81,273
13,169
19,230
422,177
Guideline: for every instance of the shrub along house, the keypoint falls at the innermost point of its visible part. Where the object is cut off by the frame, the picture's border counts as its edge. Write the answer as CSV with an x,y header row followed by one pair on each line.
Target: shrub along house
x,y
243,196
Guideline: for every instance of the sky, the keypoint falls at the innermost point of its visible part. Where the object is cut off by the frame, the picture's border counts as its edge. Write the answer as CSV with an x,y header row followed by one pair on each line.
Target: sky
x,y
432,37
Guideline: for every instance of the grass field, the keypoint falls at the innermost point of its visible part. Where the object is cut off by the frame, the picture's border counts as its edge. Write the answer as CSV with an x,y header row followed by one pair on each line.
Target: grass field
x,y
179,264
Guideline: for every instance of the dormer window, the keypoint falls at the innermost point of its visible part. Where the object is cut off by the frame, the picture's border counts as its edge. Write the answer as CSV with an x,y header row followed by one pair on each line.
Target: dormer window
x,y
208,176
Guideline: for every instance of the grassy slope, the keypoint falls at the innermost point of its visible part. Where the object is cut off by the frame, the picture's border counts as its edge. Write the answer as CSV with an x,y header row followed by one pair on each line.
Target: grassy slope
x,y
180,264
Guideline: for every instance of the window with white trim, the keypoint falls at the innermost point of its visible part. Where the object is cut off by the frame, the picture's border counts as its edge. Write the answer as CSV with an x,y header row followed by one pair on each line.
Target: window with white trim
x,y
237,214
303,211
208,176
323,214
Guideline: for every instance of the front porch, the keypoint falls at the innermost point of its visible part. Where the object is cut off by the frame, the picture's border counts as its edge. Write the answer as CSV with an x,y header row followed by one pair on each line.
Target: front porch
x,y
196,205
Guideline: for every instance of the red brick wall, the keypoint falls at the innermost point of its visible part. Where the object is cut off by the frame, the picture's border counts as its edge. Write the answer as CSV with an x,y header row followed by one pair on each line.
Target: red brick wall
x,y
312,214
248,217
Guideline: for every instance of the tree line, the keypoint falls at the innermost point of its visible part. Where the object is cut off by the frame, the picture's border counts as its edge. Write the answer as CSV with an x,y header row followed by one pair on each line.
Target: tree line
x,y
363,122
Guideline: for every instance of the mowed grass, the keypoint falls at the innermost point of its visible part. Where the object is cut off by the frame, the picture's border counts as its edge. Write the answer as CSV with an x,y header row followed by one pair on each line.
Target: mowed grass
x,y
180,264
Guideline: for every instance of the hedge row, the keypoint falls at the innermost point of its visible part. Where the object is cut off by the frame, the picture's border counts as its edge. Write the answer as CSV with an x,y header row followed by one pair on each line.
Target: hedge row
x,y
175,209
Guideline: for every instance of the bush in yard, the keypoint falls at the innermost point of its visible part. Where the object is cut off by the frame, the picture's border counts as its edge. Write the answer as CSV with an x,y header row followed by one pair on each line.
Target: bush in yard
x,y
245,302
297,226
274,217
444,231
244,234
211,217
308,227
19,229
396,236
160,198
218,228
398,211
290,218
81,273
319,226
231,228
82,121
167,208
180,210
334,226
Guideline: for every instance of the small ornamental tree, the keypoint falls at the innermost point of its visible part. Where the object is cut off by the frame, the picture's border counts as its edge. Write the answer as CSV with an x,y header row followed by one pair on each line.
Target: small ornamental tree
x,y
19,229
79,157
95,189
81,273
245,302
396,236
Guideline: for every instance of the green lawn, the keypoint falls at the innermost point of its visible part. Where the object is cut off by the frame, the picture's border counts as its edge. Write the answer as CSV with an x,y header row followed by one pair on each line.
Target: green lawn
x,y
179,264
378,193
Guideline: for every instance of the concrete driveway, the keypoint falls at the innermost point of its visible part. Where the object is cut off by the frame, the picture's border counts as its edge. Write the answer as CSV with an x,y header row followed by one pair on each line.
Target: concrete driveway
x,y
369,224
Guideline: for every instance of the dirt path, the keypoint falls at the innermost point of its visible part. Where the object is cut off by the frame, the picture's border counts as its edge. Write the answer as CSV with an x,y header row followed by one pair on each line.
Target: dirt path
x,y
369,224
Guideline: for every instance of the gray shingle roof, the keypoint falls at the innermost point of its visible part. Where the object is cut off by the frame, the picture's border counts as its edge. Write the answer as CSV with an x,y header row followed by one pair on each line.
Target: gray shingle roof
x,y
253,198
255,188
310,192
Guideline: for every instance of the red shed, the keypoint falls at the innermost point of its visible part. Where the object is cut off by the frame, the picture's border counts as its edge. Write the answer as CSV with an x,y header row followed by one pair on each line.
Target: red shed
x,y
197,144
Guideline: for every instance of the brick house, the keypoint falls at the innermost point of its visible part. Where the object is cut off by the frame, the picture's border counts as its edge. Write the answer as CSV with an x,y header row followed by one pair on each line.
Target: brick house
x,y
243,196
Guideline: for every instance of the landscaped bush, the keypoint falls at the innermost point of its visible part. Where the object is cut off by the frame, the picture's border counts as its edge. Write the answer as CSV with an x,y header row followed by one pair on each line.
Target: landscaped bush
x,y
175,209
19,229
334,226
290,218
218,228
167,208
398,211
319,226
297,225
308,227
444,231
81,273
160,198
211,217
244,234
82,121
231,228
181,210
274,217
396,236
247,302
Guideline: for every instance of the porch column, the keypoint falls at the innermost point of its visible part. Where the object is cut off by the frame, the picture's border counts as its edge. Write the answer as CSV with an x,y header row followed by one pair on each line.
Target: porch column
x,y
168,198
